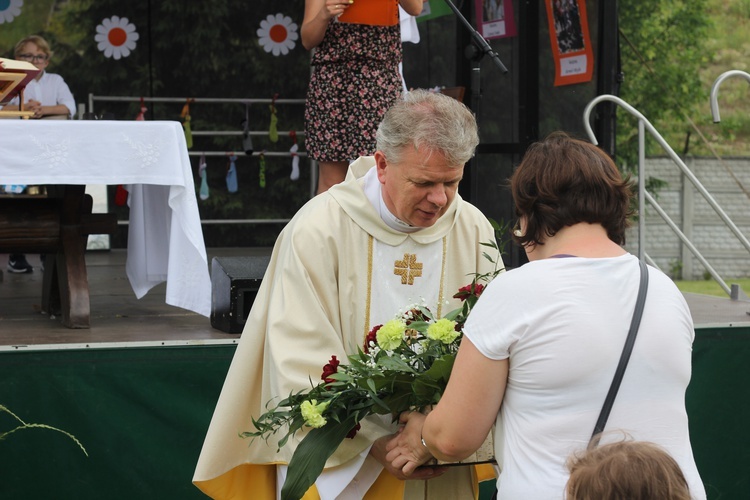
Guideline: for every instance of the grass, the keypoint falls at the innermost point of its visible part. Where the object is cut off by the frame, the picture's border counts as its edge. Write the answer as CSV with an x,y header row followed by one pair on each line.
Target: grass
x,y
711,287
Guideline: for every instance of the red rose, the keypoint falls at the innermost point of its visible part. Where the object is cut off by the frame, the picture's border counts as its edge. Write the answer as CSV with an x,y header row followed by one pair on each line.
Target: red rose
x,y
329,369
372,337
353,432
466,291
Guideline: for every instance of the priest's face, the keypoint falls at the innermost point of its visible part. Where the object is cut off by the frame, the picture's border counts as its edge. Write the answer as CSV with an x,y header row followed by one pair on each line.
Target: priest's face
x,y
420,187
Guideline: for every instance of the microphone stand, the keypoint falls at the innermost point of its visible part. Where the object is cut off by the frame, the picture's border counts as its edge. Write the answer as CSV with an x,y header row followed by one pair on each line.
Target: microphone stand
x,y
475,52
480,42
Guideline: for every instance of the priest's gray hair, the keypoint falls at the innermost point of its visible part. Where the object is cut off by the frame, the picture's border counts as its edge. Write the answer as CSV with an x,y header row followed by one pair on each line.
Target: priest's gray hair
x,y
431,121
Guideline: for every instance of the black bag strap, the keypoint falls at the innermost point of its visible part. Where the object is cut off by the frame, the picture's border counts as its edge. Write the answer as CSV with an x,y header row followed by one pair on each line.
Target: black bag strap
x,y
624,357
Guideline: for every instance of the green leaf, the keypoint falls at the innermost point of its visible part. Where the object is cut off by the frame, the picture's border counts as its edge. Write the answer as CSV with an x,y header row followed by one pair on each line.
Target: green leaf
x,y
441,368
310,457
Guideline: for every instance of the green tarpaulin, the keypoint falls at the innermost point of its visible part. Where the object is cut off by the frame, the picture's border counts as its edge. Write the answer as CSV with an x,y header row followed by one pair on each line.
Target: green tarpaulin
x,y
142,414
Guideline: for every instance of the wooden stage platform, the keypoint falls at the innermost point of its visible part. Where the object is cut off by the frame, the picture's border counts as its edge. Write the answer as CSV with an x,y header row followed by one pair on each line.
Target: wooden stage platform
x,y
118,317
139,387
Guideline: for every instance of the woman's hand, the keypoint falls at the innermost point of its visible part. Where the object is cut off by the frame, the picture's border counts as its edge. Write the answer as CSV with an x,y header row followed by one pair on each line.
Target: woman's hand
x,y
337,7
318,15
406,452
379,450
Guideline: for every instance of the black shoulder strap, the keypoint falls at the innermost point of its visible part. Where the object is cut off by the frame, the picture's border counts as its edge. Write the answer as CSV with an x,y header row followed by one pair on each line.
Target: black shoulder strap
x,y
624,357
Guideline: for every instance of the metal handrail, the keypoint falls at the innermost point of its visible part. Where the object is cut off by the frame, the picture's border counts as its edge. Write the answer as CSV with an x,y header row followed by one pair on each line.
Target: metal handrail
x,y
214,100
715,90
643,124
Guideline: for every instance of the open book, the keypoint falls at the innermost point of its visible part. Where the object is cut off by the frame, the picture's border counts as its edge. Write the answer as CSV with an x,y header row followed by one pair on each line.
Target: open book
x,y
375,12
14,76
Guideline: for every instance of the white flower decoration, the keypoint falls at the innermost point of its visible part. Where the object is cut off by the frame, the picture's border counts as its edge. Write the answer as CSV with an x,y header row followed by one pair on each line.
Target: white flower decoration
x,y
277,34
9,10
116,37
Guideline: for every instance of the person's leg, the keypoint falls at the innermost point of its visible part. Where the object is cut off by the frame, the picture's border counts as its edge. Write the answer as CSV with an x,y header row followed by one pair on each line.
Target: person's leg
x,y
331,173
17,264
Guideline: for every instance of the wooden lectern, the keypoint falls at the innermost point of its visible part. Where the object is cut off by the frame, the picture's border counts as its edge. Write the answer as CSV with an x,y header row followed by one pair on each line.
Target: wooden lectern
x,y
14,76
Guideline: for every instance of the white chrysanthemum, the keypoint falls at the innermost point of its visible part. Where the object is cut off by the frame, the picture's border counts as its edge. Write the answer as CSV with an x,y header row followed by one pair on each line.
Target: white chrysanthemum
x,y
116,37
277,34
9,10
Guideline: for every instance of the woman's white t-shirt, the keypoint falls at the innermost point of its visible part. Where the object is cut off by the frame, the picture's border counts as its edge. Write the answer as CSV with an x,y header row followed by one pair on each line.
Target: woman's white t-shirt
x,y
562,322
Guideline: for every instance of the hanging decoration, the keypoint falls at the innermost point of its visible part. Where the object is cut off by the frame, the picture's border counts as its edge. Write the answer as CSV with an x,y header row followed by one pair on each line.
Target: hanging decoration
x,y
185,114
262,170
232,174
9,10
495,18
571,45
273,132
203,191
295,157
277,34
116,37
141,116
121,196
247,140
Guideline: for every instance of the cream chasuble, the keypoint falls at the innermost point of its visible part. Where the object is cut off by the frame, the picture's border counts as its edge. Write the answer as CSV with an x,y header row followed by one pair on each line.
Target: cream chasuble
x,y
407,274
336,270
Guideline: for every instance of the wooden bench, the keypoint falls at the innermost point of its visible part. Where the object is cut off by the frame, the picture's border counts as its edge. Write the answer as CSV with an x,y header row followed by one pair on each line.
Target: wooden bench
x,y
57,225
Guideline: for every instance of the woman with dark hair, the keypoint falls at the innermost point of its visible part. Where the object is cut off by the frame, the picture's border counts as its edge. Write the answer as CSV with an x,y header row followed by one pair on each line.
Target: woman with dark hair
x,y
542,344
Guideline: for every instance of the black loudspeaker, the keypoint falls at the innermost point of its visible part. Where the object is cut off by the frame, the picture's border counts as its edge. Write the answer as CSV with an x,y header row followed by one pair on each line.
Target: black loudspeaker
x,y
234,284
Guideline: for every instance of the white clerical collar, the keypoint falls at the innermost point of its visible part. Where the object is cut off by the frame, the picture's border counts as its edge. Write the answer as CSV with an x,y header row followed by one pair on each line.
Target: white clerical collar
x,y
373,191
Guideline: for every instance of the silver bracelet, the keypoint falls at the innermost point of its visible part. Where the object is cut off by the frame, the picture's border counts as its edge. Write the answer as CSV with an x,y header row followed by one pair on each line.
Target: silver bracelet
x,y
424,444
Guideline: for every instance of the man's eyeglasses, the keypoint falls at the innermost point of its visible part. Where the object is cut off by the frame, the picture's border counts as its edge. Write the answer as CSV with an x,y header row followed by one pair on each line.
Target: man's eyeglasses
x,y
32,57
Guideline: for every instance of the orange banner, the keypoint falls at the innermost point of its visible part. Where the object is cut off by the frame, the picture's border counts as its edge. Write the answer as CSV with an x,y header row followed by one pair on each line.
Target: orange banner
x,y
571,44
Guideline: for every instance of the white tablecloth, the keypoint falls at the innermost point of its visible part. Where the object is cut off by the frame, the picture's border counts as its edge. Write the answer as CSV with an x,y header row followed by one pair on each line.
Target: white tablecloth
x,y
150,158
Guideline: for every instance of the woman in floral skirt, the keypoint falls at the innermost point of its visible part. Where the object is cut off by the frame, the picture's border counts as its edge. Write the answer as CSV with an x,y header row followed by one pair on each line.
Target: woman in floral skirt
x,y
355,78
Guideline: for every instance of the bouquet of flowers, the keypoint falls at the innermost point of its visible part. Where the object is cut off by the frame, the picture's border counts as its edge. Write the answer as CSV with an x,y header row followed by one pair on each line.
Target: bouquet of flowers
x,y
403,365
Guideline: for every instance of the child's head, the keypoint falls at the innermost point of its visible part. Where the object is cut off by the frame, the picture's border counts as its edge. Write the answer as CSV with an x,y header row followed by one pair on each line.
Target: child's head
x,y
627,470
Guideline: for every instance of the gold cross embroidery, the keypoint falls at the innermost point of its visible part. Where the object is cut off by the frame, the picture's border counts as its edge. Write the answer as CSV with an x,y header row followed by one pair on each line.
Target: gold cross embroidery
x,y
408,269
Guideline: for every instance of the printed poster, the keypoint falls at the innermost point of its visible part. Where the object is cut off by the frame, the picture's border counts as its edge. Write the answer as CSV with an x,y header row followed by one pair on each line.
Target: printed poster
x,y
495,18
571,44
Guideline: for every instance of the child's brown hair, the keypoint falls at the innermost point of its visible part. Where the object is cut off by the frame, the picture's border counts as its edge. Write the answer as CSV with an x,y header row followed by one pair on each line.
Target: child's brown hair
x,y
626,470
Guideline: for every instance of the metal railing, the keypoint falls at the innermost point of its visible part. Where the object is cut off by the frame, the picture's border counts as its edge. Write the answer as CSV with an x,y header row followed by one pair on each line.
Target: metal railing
x,y
644,196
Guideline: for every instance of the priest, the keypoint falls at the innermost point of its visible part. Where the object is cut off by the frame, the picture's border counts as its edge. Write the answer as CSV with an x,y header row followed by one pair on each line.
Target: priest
x,y
395,232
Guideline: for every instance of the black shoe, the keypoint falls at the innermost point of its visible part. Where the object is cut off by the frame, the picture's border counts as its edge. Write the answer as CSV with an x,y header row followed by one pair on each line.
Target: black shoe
x,y
18,264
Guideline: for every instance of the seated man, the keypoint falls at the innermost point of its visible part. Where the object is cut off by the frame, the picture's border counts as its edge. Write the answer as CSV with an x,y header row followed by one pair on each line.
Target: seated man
x,y
331,278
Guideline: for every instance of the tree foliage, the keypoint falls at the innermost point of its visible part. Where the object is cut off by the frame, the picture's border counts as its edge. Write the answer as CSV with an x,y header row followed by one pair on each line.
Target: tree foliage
x,y
663,49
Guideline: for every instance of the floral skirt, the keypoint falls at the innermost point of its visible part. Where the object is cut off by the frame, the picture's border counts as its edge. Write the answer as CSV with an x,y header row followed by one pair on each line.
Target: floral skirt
x,y
345,103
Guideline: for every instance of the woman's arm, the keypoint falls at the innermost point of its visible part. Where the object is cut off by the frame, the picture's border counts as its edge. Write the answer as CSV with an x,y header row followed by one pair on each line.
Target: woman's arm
x,y
461,421
412,7
318,14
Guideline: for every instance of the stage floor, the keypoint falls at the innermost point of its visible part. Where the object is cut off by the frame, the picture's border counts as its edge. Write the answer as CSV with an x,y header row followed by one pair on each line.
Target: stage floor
x,y
118,317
